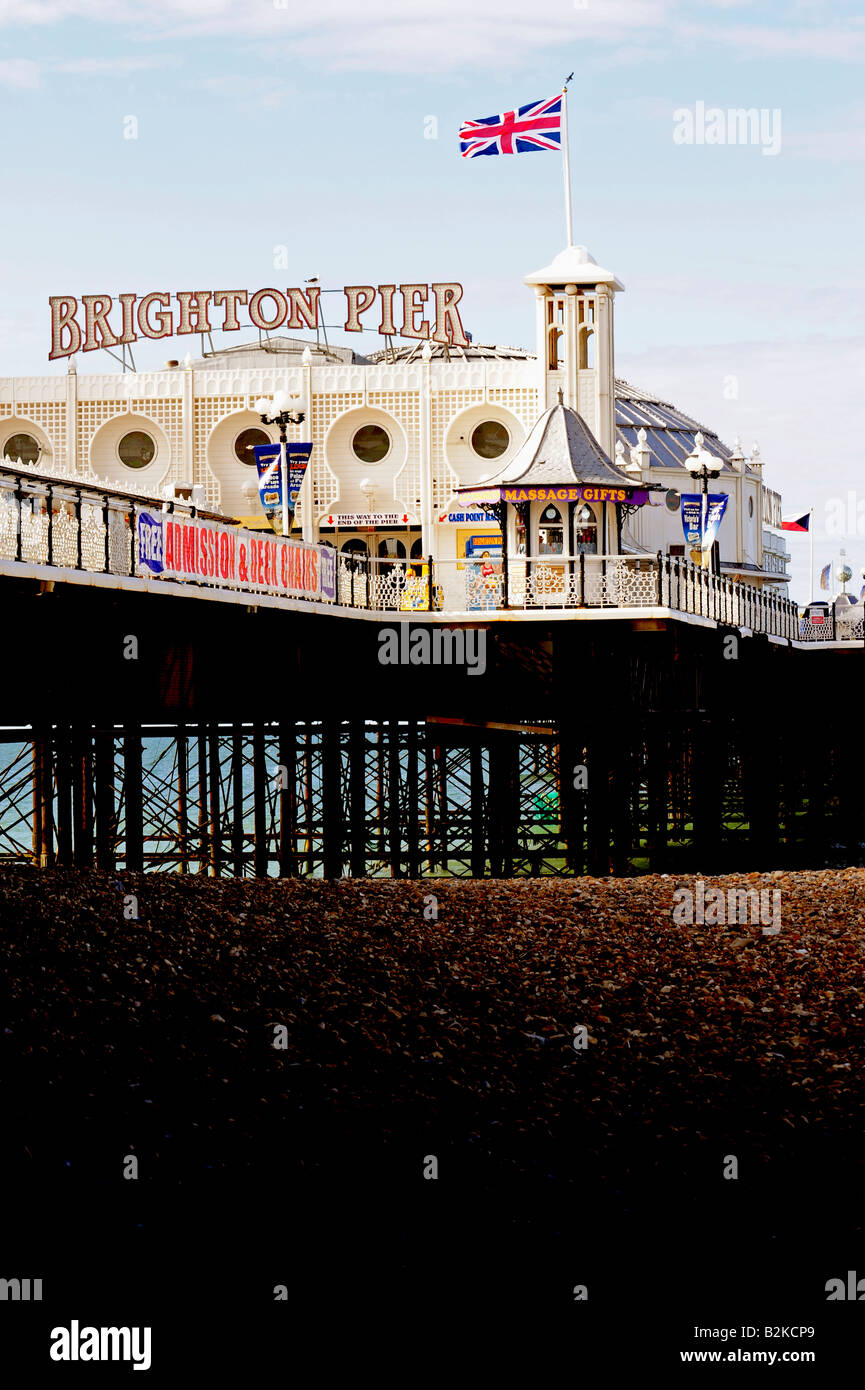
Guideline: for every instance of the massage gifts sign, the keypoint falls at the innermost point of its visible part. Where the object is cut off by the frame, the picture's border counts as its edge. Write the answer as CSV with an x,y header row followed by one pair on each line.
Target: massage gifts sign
x,y
404,311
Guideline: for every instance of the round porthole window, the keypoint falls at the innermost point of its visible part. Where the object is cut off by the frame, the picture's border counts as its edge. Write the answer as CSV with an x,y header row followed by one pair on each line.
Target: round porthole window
x,y
490,439
244,445
23,447
136,449
672,500
371,443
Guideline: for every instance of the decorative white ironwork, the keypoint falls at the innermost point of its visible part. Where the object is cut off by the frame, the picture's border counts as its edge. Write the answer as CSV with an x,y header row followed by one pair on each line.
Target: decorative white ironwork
x,y
81,527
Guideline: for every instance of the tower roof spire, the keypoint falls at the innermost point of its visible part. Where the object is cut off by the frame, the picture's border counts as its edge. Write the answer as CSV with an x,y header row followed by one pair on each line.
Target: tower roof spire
x,y
574,266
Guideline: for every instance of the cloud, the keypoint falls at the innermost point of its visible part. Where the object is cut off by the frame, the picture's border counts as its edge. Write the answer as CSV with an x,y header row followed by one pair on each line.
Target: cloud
x,y
843,144
19,73
26,74
113,67
840,43
412,35
380,35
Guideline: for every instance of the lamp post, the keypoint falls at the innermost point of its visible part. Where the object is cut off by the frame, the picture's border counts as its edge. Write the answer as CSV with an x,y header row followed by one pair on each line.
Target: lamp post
x,y
697,465
280,411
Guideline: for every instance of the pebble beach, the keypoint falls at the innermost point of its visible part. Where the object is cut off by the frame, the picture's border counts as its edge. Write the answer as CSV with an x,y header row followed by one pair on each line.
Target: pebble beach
x,y
509,1024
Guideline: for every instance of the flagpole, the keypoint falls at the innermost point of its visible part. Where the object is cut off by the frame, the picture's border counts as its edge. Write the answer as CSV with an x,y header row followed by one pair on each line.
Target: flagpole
x,y
566,161
811,535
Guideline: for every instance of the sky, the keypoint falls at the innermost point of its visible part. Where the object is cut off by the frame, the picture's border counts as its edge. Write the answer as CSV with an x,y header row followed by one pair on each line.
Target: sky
x,y
329,128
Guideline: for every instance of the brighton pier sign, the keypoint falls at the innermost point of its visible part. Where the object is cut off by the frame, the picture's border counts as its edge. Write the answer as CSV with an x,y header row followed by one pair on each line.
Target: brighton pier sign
x,y
423,311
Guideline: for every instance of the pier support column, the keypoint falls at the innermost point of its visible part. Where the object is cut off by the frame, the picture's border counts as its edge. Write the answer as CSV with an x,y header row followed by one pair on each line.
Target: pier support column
x,y
260,799
237,841
63,766
478,856
103,781
203,838
707,794
331,800
357,797
287,798
413,800
394,826
182,799
658,788
82,797
215,789
504,804
134,790
41,753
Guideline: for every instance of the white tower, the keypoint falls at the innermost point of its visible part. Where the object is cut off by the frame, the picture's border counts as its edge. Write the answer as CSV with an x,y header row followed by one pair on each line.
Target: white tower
x,y
575,338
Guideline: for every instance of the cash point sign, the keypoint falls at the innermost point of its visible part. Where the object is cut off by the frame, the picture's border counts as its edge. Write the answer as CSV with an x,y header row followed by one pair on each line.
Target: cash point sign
x,y
181,547
404,311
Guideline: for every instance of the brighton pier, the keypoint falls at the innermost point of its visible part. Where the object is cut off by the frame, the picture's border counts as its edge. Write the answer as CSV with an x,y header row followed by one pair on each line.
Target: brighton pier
x,y
191,693
150,316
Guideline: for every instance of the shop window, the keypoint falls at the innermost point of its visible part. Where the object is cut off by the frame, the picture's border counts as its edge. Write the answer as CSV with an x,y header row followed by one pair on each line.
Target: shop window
x,y
551,534
521,531
585,531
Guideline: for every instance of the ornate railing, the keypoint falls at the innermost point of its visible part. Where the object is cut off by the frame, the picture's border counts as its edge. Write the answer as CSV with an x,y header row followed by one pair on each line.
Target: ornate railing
x,y
84,526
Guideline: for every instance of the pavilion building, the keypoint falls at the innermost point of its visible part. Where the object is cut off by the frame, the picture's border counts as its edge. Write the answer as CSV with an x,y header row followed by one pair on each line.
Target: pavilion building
x,y
407,443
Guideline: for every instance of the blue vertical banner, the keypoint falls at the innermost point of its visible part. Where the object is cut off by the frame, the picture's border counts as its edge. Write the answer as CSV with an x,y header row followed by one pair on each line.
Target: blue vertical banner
x,y
692,518
267,460
298,458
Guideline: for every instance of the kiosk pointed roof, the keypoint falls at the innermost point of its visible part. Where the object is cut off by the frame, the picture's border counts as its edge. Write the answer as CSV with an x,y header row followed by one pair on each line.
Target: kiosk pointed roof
x,y
559,451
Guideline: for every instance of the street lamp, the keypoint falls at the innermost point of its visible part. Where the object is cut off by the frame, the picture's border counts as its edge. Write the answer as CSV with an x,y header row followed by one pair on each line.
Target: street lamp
x,y
703,465
280,411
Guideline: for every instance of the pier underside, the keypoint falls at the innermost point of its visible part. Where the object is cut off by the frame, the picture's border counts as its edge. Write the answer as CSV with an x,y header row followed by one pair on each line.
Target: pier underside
x,y
200,739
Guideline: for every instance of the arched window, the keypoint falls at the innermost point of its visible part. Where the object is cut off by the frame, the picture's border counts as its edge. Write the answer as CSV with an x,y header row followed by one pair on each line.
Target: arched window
x,y
585,531
551,533
391,549
556,359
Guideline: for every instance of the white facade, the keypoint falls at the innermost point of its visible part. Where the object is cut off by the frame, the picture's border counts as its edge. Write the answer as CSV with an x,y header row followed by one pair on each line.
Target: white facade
x,y
428,402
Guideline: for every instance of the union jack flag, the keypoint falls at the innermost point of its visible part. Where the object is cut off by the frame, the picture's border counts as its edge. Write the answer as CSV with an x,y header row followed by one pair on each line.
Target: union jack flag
x,y
537,126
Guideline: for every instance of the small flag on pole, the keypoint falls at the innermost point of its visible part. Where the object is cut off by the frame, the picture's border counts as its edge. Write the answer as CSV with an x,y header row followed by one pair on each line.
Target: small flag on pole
x,y
536,126
796,523
824,576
